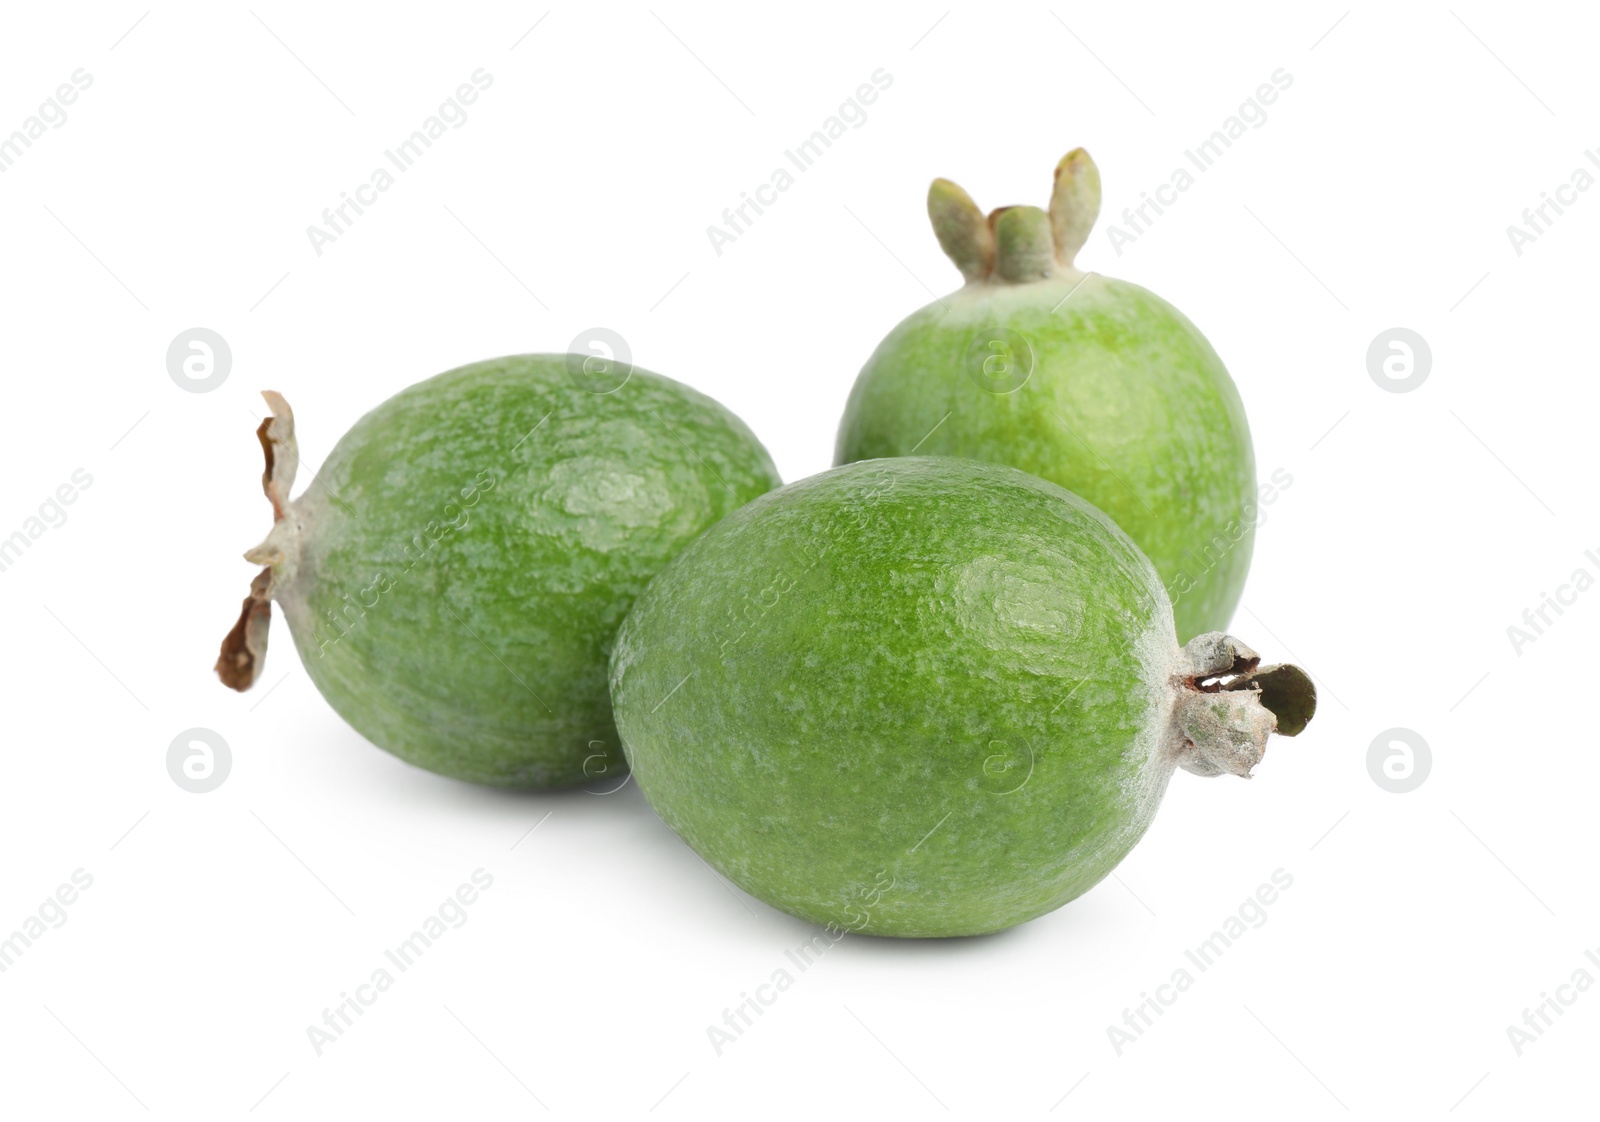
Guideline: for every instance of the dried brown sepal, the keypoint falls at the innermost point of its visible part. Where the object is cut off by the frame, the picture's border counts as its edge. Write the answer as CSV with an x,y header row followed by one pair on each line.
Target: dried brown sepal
x,y
276,434
1215,658
244,651
1291,695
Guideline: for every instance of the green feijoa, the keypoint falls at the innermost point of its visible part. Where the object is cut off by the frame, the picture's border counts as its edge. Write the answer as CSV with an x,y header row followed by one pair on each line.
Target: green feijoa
x,y
1090,382
925,696
455,573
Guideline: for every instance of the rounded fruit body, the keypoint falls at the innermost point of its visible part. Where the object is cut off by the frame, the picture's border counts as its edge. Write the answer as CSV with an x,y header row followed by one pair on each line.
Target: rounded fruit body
x,y
1124,403
455,574
1092,383
916,696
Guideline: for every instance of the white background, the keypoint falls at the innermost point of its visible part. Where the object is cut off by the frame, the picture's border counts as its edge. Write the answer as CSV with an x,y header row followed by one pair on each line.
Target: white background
x,y
1418,527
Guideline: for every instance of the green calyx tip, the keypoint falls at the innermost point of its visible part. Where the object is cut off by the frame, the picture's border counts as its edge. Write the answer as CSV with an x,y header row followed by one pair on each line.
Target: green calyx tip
x,y
1024,248
962,232
1074,203
1021,243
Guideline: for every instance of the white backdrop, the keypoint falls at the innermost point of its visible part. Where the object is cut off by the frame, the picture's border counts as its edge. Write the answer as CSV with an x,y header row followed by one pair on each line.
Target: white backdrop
x,y
1438,894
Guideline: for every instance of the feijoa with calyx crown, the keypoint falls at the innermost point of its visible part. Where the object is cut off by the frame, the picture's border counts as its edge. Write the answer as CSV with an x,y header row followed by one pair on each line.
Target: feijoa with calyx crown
x,y
455,573
1093,383
926,696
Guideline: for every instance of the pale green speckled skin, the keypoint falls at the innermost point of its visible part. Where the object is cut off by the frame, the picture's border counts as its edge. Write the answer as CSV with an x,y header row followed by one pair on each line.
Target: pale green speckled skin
x,y
1127,405
914,697
485,658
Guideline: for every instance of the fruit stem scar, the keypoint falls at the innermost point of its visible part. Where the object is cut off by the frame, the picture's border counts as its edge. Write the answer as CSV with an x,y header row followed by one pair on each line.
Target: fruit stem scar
x,y
1228,704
